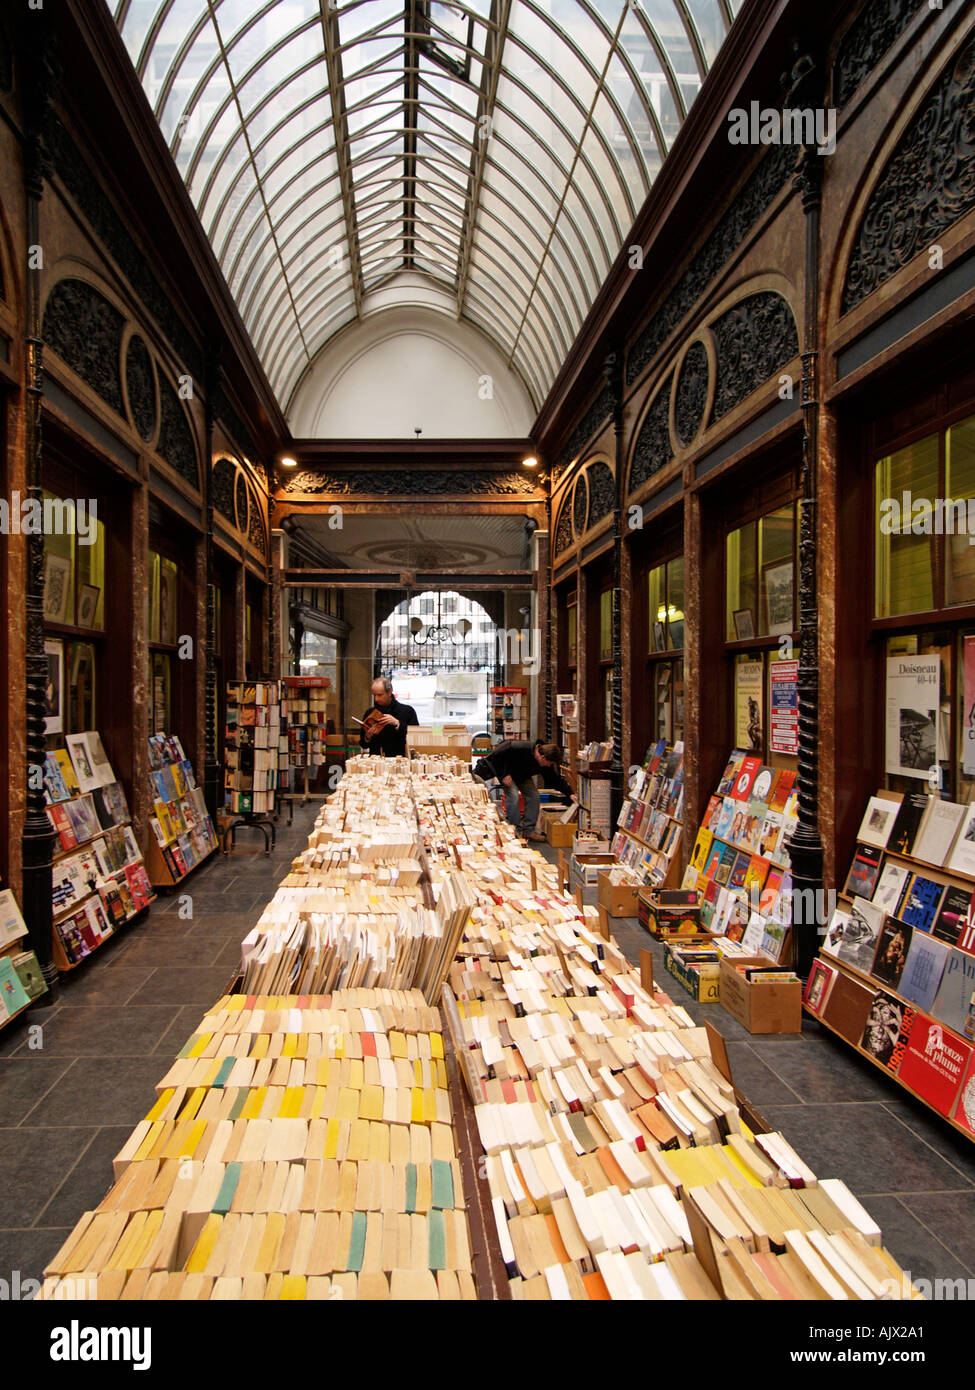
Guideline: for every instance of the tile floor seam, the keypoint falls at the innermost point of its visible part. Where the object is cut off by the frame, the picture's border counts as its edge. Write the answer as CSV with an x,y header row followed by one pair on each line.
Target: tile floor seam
x,y
920,1138
22,1124
924,1226
33,1225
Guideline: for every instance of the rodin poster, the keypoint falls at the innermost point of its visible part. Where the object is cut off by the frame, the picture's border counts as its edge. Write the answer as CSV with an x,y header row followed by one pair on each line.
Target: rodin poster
x,y
749,689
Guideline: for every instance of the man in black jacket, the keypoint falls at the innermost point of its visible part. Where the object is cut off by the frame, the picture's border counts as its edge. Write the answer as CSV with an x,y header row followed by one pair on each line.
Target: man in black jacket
x,y
390,740
516,763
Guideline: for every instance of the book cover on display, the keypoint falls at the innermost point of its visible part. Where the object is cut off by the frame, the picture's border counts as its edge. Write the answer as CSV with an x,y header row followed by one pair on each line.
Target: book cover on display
x,y
909,816
890,887
856,943
937,834
961,859
934,1063
891,955
747,773
13,996
864,872
883,1027
954,1002
922,898
954,913
878,822
964,1111
818,986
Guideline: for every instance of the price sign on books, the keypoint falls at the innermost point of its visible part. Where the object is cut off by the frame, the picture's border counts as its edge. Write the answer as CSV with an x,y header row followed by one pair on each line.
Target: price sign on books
x,y
784,718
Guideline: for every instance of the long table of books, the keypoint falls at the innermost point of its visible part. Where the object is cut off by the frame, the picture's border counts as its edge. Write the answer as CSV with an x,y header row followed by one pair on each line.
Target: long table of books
x,y
312,1139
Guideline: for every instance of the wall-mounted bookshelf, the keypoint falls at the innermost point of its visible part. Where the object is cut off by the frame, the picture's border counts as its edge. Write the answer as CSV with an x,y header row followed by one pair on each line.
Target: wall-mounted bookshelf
x,y
99,879
182,833
649,825
895,974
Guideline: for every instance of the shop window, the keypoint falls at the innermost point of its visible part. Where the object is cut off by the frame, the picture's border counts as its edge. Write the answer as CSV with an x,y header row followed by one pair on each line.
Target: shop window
x,y
905,561
760,577
74,569
163,600
665,606
960,484
606,625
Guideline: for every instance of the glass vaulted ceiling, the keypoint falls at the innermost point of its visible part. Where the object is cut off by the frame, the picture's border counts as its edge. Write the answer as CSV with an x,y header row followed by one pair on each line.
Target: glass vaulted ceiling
x,y
499,150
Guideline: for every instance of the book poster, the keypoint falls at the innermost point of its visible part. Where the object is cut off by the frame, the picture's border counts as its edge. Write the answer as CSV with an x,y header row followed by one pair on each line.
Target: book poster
x,y
749,681
968,723
784,714
913,714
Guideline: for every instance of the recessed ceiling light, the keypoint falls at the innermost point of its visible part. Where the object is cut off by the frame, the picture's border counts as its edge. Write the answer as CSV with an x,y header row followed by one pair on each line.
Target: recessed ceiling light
x,y
530,462
288,462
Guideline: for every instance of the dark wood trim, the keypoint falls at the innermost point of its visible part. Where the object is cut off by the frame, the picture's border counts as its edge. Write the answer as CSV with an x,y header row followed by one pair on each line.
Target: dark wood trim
x,y
698,172
110,111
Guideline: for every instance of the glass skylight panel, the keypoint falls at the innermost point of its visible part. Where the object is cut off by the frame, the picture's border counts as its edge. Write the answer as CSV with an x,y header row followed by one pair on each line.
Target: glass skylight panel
x,y
362,16
587,99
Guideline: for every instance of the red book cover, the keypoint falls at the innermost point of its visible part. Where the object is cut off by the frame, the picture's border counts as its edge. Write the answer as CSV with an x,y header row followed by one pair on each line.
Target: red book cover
x,y
780,791
746,776
59,819
934,1063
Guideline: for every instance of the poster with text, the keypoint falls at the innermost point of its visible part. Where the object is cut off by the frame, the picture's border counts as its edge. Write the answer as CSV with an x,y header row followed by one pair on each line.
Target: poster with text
x,y
784,714
968,717
913,714
749,689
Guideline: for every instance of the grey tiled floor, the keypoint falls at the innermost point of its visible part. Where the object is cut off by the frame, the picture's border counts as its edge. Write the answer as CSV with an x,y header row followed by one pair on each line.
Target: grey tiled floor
x,y
76,1078
70,1094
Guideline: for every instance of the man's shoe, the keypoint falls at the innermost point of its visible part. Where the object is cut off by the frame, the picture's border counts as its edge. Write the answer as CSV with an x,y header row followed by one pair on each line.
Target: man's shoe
x,y
537,839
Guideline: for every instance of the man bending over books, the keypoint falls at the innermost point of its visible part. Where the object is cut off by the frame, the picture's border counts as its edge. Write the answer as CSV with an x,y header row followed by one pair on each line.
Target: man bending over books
x,y
384,725
516,763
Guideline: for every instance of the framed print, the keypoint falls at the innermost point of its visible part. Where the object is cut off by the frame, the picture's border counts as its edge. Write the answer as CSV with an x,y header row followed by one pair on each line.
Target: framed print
x,y
659,640
81,685
168,575
54,687
777,582
87,605
57,588
744,623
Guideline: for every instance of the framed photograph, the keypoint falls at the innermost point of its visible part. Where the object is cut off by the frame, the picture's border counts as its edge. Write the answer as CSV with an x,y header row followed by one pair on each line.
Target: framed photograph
x,y
54,687
87,605
57,588
744,623
777,583
81,684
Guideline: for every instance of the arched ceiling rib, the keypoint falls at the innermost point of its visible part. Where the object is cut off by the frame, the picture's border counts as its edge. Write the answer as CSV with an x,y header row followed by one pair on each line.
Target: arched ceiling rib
x,y
499,148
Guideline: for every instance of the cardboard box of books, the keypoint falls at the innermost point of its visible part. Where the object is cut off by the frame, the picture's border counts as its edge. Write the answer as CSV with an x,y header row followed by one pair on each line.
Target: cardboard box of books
x,y
619,899
669,912
557,832
585,869
585,842
760,995
696,964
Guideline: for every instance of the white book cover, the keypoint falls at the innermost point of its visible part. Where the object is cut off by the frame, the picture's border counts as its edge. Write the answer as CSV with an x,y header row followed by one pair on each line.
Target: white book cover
x,y
12,925
889,887
88,777
961,859
878,822
938,831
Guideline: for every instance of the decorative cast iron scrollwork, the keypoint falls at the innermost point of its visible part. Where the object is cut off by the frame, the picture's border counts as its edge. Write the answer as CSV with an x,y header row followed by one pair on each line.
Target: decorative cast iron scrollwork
x,y
753,340
692,392
653,448
85,330
926,186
